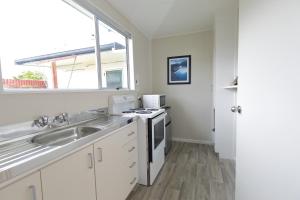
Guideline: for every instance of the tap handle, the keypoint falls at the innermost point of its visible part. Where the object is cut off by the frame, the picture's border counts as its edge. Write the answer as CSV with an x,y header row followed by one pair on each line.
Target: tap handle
x,y
41,121
63,117
45,120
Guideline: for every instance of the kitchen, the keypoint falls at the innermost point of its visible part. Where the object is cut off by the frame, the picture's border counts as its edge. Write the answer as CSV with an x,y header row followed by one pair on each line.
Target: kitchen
x,y
63,130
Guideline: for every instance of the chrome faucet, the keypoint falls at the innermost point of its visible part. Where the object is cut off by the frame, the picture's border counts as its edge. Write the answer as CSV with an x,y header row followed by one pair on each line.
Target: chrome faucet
x,y
41,121
61,118
45,120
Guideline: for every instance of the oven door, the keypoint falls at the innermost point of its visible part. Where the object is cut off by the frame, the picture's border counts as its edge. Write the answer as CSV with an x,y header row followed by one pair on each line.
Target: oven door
x,y
156,146
156,134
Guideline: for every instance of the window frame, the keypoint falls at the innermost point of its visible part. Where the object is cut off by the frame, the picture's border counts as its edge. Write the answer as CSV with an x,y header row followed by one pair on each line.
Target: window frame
x,y
96,15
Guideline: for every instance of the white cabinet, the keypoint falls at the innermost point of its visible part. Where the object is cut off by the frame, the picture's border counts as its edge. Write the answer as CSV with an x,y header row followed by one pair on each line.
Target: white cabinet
x,y
28,188
106,170
71,178
116,164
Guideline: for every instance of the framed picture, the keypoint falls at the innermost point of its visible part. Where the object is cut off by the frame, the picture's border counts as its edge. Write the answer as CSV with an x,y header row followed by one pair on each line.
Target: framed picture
x,y
179,70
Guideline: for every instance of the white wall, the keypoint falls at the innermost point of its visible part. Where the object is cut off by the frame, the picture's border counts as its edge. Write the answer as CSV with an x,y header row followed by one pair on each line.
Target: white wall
x,y
225,62
23,107
191,104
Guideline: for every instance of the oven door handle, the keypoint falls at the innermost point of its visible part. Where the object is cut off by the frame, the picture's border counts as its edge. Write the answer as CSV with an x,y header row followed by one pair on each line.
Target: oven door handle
x,y
150,146
169,123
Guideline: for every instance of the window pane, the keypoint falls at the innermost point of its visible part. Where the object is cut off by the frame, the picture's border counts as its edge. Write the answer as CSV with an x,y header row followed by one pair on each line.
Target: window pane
x,y
113,57
46,45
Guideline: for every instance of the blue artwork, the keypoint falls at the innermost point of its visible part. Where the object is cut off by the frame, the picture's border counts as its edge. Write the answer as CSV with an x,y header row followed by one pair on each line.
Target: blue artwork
x,y
179,70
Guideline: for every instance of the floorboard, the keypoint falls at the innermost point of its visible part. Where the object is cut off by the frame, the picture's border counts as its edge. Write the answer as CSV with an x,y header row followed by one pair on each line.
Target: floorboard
x,y
191,172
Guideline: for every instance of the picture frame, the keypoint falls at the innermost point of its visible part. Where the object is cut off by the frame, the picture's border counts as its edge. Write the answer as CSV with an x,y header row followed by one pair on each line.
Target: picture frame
x,y
179,70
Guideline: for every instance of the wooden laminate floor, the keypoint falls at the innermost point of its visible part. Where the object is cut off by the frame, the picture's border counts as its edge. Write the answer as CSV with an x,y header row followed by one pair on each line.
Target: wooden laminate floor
x,y
191,172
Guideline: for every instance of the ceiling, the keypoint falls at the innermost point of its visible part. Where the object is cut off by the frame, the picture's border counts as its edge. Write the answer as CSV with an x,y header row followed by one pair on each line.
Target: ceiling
x,y
161,18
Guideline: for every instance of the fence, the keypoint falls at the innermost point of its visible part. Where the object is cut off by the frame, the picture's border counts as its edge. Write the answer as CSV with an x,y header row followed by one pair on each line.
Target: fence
x,y
11,83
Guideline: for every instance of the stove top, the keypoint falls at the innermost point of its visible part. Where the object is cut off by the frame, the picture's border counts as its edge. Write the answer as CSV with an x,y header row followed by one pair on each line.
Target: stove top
x,y
137,109
144,113
128,111
152,109
141,110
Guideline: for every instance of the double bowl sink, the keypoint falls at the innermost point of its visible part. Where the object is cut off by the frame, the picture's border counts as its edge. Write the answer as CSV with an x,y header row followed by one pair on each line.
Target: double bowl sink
x,y
65,136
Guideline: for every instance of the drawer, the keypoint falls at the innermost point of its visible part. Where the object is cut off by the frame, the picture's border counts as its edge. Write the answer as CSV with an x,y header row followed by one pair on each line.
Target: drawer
x,y
133,179
120,136
132,163
131,175
128,133
130,149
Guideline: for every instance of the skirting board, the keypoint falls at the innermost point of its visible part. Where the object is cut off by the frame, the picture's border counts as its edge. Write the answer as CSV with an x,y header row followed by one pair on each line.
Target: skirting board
x,y
192,141
221,156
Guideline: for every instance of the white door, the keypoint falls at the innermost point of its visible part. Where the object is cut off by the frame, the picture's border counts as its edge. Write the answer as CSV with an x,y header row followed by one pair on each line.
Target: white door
x,y
71,178
268,131
28,188
108,165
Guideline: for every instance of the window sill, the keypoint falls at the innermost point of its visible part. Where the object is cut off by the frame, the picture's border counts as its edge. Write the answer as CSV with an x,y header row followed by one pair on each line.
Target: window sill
x,y
11,91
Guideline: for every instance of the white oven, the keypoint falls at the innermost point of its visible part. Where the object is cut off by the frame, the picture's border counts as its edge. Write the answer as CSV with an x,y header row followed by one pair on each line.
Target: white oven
x,y
154,101
151,135
156,146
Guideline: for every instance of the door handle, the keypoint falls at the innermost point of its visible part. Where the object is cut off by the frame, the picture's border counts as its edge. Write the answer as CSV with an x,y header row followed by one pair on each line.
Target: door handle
x,y
132,165
131,133
33,191
100,154
130,150
133,181
236,109
91,160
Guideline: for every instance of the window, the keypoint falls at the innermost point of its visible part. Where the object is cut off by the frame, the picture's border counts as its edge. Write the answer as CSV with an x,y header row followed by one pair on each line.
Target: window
x,y
114,60
52,45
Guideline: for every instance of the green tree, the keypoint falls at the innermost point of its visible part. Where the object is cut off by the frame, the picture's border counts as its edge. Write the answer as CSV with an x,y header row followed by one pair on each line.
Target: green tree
x,y
30,75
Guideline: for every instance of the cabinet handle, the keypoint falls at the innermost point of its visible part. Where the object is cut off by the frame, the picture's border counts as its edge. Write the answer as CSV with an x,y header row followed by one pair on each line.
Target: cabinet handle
x,y
133,181
130,150
91,160
100,154
130,134
132,165
33,191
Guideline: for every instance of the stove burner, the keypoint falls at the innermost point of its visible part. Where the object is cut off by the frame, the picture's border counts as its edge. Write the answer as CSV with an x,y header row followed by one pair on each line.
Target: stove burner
x,y
128,111
143,112
152,109
137,109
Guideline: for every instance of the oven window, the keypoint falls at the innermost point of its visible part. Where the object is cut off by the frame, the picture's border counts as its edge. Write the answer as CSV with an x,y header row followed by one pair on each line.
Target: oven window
x,y
159,129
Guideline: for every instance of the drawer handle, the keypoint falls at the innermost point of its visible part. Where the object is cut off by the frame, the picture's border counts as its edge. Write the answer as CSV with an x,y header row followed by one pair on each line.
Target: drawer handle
x,y
130,134
132,165
33,191
91,160
100,154
133,181
130,150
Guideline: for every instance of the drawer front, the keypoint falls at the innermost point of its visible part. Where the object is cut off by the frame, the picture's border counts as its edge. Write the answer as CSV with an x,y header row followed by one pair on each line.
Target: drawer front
x,y
120,136
130,149
28,188
128,133
133,178
131,174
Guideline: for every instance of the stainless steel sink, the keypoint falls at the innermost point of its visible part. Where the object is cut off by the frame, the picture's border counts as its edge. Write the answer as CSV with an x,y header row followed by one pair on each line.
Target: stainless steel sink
x,y
65,136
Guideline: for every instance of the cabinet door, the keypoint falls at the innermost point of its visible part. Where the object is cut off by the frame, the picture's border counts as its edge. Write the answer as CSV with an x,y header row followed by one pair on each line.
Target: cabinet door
x,y
108,164
28,188
71,178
